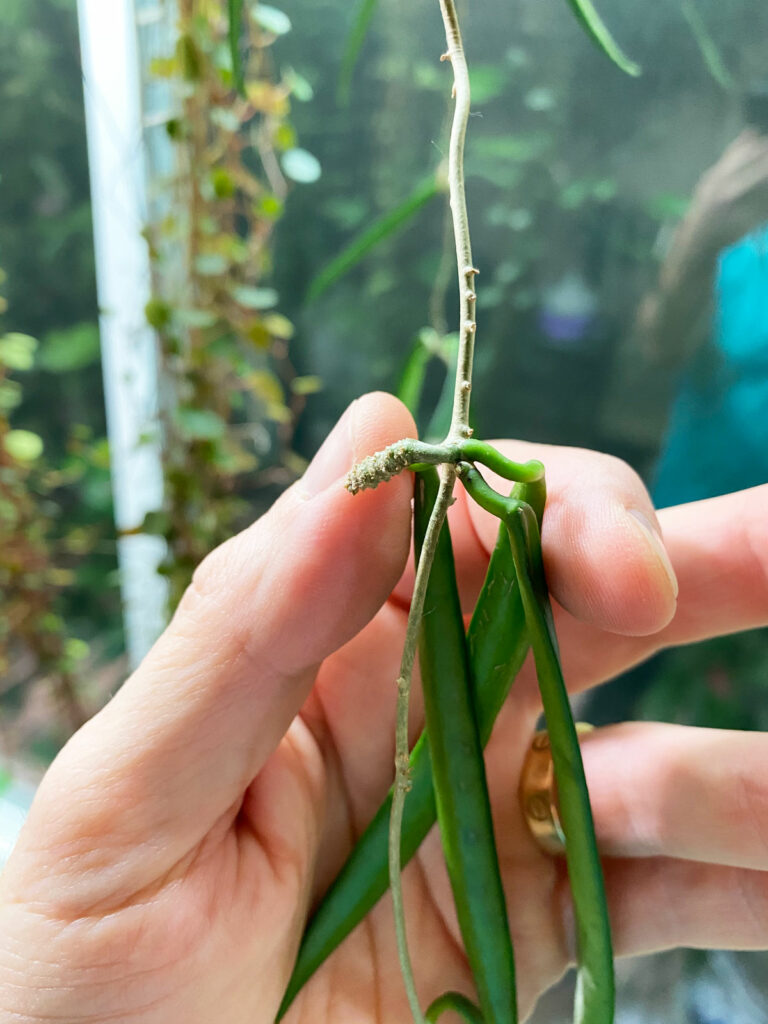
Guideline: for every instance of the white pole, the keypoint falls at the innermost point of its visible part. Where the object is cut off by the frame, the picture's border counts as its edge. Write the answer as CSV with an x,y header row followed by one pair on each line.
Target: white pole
x,y
118,192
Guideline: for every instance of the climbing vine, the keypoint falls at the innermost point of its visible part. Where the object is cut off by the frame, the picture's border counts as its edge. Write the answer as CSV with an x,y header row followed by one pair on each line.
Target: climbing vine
x,y
230,396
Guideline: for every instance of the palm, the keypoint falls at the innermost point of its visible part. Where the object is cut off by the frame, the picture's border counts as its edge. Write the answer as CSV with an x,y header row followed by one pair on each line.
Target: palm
x,y
215,935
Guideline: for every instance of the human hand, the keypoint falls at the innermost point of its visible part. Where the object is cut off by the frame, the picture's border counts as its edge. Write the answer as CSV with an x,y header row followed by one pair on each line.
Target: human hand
x,y
729,201
733,194
176,844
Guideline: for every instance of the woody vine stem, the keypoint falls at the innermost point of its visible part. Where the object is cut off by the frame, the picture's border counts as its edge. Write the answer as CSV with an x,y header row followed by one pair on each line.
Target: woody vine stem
x,y
459,431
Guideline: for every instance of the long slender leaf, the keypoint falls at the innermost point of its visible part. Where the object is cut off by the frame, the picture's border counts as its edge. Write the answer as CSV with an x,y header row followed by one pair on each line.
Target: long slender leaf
x,y
599,34
595,985
707,46
411,385
235,9
380,230
353,46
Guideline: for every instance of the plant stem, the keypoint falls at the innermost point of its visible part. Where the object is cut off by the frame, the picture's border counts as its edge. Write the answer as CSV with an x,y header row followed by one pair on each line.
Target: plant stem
x,y
467,272
402,746
459,430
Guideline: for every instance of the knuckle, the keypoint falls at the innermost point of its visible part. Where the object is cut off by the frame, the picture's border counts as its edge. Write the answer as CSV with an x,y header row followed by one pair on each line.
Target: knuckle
x,y
210,578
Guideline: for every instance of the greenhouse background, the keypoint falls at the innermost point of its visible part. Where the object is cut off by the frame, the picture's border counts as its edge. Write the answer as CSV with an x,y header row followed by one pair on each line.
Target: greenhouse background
x,y
260,261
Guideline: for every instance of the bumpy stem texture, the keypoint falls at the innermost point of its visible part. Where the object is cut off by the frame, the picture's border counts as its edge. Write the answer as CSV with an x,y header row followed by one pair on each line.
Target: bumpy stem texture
x,y
467,272
459,429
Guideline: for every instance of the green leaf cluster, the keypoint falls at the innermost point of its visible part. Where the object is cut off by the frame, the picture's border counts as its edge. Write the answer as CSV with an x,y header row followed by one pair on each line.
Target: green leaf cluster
x,y
231,393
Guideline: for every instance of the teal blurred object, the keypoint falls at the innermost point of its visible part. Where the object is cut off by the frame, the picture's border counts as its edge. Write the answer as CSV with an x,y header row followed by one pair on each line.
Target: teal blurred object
x,y
15,799
729,988
717,440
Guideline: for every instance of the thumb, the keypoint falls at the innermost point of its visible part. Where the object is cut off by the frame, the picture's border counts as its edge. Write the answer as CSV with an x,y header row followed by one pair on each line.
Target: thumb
x,y
176,748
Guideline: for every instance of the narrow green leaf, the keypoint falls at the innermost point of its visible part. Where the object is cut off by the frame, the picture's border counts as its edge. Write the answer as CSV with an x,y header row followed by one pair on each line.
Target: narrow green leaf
x,y
440,420
595,985
353,46
599,34
411,383
707,46
380,230
235,8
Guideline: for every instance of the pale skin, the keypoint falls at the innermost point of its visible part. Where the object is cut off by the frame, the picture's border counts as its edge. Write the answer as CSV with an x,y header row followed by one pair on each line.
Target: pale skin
x,y
177,843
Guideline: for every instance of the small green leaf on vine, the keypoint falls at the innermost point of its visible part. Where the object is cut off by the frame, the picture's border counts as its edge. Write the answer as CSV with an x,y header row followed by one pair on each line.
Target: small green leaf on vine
x,y
301,166
271,19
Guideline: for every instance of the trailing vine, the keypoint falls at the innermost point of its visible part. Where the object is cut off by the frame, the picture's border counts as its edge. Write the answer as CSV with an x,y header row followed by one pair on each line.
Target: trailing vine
x,y
230,397
456,457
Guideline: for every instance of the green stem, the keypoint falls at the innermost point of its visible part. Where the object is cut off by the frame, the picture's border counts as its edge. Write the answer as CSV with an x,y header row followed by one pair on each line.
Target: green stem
x,y
460,429
595,994
402,751
497,643
459,1004
409,453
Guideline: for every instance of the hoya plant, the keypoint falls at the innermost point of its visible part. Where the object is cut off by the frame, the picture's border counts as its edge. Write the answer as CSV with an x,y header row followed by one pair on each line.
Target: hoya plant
x,y
467,675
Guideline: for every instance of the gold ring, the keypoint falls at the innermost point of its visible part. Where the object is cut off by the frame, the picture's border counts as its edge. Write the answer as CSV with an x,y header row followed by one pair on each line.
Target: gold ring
x,y
538,792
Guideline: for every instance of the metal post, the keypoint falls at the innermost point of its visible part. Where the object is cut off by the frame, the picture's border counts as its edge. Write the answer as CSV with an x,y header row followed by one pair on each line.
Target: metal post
x,y
112,83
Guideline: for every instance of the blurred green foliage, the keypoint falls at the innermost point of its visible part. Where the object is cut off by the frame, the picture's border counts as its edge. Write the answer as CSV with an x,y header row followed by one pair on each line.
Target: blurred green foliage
x,y
230,395
571,166
46,246
45,224
721,683
59,603
573,169
45,550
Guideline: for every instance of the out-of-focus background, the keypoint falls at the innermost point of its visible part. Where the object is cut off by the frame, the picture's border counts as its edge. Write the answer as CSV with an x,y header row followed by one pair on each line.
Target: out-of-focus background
x,y
261,260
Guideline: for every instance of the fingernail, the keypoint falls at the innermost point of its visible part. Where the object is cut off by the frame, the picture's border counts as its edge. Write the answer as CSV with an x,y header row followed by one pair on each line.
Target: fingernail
x,y
334,457
653,538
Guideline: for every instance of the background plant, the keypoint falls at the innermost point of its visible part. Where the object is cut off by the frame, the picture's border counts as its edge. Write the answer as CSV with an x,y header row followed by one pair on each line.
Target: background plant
x,y
59,604
42,546
559,177
230,395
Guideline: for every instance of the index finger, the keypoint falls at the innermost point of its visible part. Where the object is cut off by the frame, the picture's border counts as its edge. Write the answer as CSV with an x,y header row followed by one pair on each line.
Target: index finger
x,y
719,550
603,552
